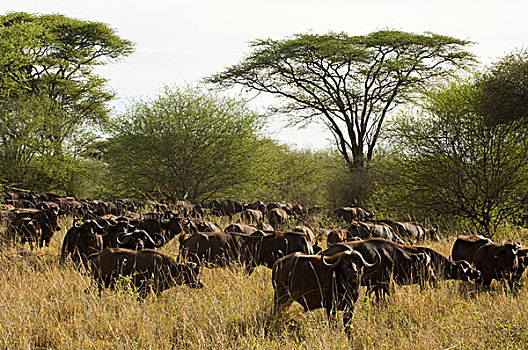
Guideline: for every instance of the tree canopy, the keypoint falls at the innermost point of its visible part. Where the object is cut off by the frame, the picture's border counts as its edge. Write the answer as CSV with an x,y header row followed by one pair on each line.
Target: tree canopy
x,y
504,89
186,142
51,100
350,83
451,162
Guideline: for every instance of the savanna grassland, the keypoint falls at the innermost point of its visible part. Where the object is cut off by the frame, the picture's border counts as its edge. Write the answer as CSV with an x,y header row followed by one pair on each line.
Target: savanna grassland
x,y
44,305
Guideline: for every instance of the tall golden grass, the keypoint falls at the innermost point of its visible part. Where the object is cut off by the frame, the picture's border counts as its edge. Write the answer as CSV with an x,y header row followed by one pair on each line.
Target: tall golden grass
x,y
44,305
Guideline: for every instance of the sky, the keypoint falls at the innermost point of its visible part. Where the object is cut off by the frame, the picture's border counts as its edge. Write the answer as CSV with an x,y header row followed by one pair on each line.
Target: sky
x,y
181,42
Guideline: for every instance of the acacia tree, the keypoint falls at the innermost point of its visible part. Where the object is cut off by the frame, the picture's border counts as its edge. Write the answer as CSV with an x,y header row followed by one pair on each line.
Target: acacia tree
x,y
51,101
452,162
186,142
350,83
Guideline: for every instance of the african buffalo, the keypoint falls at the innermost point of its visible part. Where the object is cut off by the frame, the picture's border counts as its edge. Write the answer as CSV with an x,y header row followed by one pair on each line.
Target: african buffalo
x,y
316,281
349,214
252,216
187,209
399,262
338,236
241,228
265,227
28,230
307,232
261,206
139,239
372,229
149,270
277,216
417,231
465,247
411,230
287,206
168,225
446,268
522,256
113,226
82,240
225,207
48,223
224,248
497,261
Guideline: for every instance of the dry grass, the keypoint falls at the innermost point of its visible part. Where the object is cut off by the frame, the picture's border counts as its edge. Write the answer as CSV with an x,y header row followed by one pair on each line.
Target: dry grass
x,y
44,305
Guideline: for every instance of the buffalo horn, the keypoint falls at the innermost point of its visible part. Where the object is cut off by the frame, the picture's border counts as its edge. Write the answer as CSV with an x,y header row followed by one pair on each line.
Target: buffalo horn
x,y
123,238
76,224
65,207
99,225
42,206
370,268
133,223
338,260
159,243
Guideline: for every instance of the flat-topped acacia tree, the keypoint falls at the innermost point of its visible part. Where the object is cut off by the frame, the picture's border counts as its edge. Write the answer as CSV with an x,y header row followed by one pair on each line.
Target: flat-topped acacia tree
x,y
350,83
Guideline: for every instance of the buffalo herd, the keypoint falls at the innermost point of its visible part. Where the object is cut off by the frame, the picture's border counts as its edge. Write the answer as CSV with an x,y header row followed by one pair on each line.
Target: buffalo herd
x,y
121,238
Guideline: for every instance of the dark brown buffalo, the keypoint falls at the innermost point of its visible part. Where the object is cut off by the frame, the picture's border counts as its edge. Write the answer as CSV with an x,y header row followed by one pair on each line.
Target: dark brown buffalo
x,y
199,225
225,207
339,236
446,268
349,214
211,248
27,230
522,256
46,197
261,206
47,219
168,225
130,204
81,241
287,206
225,248
72,206
400,263
277,216
252,216
308,232
59,208
465,247
105,208
149,270
372,229
418,232
299,210
497,261
316,282
411,230
21,203
241,228
265,227
187,208
113,226
139,239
